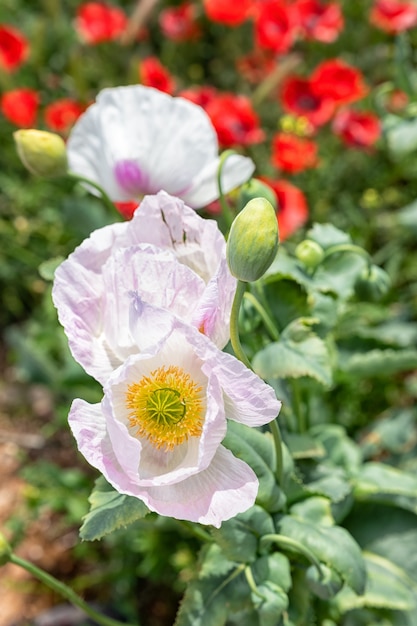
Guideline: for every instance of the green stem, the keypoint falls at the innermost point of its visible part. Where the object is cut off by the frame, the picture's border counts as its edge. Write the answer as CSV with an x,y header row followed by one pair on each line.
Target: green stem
x,y
234,324
106,199
293,545
227,213
269,324
348,247
65,591
196,531
279,464
252,584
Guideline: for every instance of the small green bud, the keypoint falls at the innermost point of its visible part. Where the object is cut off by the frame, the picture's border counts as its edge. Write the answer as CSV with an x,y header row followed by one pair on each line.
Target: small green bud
x,y
372,284
310,253
42,153
5,550
255,188
253,240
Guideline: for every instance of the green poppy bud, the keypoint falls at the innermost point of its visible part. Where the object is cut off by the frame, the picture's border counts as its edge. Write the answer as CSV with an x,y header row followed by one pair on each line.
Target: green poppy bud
x,y
310,253
255,188
253,240
372,284
42,153
5,550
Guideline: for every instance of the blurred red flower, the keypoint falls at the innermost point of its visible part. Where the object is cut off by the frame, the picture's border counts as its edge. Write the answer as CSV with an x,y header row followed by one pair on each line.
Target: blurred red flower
x,y
299,98
255,66
127,209
275,25
200,95
230,12
393,16
337,80
153,74
60,115
20,106
235,121
97,22
179,23
14,48
292,206
320,21
293,154
359,129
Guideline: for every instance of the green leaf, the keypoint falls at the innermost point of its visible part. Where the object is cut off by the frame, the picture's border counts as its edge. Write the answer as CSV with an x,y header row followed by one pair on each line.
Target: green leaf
x,y
239,536
257,450
315,510
209,600
332,545
378,362
385,484
289,358
47,268
270,604
327,235
274,567
109,511
387,587
341,451
304,446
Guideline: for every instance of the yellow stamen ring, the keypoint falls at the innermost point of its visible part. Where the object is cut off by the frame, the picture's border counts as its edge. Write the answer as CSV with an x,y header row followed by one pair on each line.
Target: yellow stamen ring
x,y
166,407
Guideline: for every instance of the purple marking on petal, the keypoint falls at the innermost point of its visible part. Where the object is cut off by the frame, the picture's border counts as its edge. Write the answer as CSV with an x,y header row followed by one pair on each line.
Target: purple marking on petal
x,y
131,178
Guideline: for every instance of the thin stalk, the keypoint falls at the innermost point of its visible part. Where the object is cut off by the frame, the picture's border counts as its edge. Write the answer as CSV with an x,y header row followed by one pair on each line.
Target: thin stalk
x,y
234,324
252,584
106,199
226,210
348,247
293,545
196,531
269,324
65,591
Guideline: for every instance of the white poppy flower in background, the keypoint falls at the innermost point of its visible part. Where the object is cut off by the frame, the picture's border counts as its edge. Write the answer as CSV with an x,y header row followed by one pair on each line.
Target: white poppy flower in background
x,y
167,254
136,140
157,433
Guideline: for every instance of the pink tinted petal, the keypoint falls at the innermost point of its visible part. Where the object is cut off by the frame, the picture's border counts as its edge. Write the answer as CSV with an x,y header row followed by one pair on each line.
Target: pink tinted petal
x,y
212,315
149,326
227,487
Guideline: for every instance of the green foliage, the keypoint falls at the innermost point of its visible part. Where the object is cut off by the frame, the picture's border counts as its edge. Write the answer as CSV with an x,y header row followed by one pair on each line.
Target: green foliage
x,y
109,511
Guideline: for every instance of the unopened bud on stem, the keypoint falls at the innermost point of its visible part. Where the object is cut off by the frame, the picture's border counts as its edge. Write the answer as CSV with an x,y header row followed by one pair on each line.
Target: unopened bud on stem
x,y
253,240
42,153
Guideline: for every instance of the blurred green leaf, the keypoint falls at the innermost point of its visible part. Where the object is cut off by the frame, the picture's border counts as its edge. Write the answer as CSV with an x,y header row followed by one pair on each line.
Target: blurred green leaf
x,y
378,362
381,483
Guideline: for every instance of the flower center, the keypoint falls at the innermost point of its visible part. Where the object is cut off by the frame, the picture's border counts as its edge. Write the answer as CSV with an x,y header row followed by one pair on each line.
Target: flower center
x,y
166,407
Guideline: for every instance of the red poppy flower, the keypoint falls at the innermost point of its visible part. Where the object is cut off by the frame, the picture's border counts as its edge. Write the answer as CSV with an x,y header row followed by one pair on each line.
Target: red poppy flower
x,y
319,21
127,209
97,22
200,95
61,114
179,23
235,121
299,98
275,26
393,16
357,128
14,48
153,74
292,206
293,154
20,106
230,12
337,80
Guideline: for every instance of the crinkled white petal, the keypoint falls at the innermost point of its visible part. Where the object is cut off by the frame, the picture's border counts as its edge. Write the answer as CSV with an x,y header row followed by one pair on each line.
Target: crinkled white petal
x,y
170,139
227,487
204,188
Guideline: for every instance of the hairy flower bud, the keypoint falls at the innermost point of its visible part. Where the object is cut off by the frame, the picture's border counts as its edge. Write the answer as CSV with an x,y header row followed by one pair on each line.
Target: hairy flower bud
x,y
253,240
5,550
310,253
255,188
42,153
372,283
